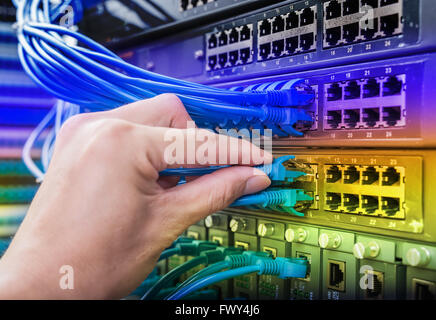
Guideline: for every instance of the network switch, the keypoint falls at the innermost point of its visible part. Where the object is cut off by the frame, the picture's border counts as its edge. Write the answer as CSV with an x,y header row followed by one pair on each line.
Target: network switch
x,y
340,260
299,35
378,104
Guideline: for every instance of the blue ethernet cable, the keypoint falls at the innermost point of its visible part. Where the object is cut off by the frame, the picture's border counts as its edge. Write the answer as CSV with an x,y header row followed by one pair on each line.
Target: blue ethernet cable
x,y
276,171
283,268
100,85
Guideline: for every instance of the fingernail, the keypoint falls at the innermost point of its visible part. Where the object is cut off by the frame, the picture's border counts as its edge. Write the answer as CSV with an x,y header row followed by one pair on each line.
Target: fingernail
x,y
256,183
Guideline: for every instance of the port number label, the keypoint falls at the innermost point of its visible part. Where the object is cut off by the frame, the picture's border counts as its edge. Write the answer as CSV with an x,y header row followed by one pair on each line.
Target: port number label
x,y
368,47
350,50
393,162
369,134
388,70
333,52
392,224
387,43
372,222
367,72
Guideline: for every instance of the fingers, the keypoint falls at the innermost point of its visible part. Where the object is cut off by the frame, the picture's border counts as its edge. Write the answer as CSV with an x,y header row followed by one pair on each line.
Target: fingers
x,y
213,192
165,110
167,148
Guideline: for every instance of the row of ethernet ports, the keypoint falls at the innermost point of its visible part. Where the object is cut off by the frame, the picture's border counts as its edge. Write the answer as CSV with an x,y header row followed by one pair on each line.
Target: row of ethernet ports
x,y
363,204
227,37
229,59
288,46
351,33
289,21
366,176
368,88
335,9
365,118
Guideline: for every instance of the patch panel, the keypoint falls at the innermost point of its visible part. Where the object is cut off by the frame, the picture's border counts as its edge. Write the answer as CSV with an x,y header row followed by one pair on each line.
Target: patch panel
x,y
287,34
230,47
421,284
397,206
351,21
386,94
366,105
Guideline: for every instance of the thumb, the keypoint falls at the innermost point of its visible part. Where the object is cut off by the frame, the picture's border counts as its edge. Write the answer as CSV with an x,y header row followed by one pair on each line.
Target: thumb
x,y
213,192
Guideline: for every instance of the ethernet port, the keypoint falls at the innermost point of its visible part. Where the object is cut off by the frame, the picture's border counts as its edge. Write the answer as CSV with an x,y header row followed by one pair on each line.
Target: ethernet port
x,y
233,57
351,117
334,92
307,40
204,1
336,275
292,44
384,3
392,86
278,24
245,33
212,42
351,175
222,59
371,3
244,55
307,17
265,28
424,290
233,36
391,115
388,24
352,90
351,202
333,10
278,47
222,39
334,118
292,20
371,27
194,3
371,88
351,31
350,7
390,177
375,291
212,61
333,200
370,116
369,203
184,4
333,174
333,35
390,205
370,176
265,50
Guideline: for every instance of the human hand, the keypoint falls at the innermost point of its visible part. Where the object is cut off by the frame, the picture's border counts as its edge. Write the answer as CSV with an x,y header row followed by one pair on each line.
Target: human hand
x,y
103,209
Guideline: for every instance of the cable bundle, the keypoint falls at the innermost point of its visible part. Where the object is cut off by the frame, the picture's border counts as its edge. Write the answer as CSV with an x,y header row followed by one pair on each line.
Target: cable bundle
x,y
95,78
